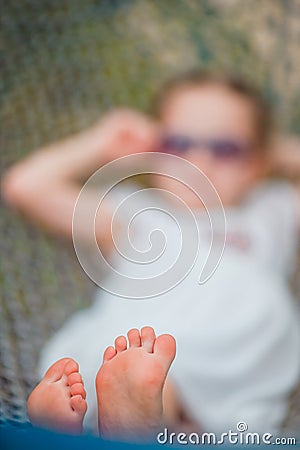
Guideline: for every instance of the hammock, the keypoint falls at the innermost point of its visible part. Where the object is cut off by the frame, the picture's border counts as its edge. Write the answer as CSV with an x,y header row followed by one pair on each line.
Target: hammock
x,y
67,62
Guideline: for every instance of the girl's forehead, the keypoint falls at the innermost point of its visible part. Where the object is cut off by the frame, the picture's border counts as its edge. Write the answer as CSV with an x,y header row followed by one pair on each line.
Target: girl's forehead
x,y
209,108
207,95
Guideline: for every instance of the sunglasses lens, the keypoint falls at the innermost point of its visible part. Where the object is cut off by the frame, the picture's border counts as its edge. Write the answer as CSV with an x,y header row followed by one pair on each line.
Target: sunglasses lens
x,y
177,144
227,149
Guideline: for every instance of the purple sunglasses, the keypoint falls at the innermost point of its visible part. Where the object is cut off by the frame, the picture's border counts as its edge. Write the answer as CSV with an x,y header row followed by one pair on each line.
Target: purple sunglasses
x,y
220,148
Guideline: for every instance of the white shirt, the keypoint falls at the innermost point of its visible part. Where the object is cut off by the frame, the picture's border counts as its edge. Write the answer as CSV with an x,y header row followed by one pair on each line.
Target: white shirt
x,y
238,342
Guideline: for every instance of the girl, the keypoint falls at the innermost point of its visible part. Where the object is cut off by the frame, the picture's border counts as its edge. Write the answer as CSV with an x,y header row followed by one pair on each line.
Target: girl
x,y
238,334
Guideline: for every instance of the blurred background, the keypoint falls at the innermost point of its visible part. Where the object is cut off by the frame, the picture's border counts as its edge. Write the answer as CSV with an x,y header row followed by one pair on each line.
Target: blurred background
x,y
63,64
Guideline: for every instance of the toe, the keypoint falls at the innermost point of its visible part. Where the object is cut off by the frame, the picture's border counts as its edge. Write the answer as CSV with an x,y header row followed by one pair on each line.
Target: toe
x,y
75,377
148,338
121,343
71,367
55,372
165,347
78,404
109,353
78,389
134,338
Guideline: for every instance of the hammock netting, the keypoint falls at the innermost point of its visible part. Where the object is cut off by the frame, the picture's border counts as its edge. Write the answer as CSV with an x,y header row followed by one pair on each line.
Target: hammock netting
x,y
63,64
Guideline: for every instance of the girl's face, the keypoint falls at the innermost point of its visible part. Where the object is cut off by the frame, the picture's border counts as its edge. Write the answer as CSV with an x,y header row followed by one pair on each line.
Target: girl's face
x,y
213,128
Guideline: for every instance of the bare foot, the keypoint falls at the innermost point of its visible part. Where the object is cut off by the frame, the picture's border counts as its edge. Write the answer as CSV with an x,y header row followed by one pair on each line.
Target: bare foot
x,y
58,402
129,385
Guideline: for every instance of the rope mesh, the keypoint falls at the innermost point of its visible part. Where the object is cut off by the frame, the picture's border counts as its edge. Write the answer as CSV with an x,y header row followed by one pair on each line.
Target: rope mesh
x,y
64,63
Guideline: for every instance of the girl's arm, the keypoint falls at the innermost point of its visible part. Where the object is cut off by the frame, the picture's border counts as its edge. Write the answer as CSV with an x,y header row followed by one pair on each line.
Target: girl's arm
x,y
285,160
45,185
285,155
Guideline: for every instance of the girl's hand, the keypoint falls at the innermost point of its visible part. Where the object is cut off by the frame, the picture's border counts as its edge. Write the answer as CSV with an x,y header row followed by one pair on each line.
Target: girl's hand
x,y
124,131
285,156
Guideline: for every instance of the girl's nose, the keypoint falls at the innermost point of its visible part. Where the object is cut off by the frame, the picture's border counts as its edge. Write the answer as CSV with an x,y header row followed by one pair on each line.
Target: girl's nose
x,y
201,158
